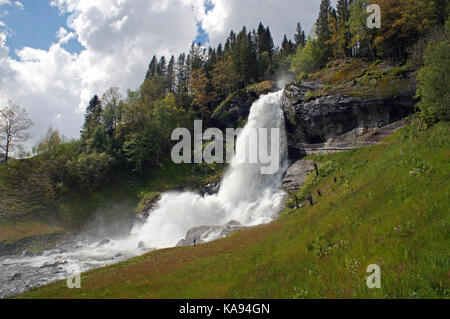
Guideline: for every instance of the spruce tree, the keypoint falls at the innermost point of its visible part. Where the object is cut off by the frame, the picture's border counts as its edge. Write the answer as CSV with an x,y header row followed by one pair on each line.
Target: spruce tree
x,y
287,46
342,9
170,77
265,41
210,61
181,74
161,68
197,56
253,56
343,16
265,52
322,29
230,43
240,55
300,37
284,44
219,52
152,68
92,117
260,37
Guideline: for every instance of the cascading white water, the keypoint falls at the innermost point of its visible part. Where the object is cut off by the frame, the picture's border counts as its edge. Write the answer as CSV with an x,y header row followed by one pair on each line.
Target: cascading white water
x,y
245,196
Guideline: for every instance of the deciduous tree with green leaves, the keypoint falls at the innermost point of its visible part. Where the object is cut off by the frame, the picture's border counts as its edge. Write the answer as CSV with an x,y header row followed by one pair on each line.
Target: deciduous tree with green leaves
x,y
48,143
434,82
224,77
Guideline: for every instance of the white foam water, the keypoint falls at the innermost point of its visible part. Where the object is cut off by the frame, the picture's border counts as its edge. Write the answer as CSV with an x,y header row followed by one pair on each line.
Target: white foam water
x,y
245,195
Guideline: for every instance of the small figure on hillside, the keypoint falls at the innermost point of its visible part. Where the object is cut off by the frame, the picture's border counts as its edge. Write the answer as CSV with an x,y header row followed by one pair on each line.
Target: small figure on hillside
x,y
195,242
311,201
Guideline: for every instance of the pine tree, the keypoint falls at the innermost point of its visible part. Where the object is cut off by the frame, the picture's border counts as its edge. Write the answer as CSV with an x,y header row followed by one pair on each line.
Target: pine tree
x,y
265,40
219,52
300,37
265,52
260,38
239,56
181,74
161,68
245,57
322,29
284,44
342,8
253,55
344,35
197,56
210,61
230,43
152,68
170,78
287,46
92,117
188,70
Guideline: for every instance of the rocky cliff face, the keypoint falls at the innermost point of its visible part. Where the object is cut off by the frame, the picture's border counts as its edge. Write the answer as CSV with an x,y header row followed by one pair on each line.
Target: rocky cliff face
x,y
336,121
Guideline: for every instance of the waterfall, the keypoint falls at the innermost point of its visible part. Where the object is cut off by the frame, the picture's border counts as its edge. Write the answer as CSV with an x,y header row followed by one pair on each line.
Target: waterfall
x,y
245,195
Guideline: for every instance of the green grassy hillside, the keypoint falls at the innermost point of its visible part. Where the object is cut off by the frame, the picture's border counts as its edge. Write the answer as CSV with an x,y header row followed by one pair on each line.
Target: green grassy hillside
x,y
386,205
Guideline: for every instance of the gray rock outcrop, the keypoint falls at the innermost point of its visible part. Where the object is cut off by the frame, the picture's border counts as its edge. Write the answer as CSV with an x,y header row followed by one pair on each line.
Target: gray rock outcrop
x,y
336,121
204,234
297,174
211,188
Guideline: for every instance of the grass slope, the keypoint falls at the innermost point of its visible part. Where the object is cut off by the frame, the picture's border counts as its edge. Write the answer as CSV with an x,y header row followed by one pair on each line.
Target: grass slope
x,y
386,205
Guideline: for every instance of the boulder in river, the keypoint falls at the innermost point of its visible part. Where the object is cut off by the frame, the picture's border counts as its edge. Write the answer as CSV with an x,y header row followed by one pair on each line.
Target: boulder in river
x,y
15,276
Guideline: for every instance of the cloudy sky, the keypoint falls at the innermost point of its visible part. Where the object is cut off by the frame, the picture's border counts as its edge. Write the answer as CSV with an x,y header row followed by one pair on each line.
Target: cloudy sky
x,y
56,54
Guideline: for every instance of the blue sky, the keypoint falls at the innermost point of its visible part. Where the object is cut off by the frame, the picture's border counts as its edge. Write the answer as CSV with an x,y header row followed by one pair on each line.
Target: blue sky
x,y
202,36
36,25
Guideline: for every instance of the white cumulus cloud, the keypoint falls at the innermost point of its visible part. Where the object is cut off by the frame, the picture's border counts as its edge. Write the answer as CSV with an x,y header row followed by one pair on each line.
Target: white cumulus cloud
x,y
119,37
281,16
